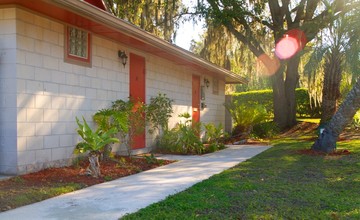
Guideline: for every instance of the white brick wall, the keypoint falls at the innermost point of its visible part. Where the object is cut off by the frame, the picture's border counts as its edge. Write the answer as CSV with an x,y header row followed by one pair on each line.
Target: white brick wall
x,y
44,94
8,151
51,93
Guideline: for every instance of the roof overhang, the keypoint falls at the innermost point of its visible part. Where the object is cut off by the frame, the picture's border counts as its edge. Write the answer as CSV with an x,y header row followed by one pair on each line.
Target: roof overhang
x,y
89,17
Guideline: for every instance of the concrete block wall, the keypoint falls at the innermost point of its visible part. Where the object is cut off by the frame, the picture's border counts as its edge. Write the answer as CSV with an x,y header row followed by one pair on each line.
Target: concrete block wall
x,y
215,109
8,151
175,81
41,94
51,92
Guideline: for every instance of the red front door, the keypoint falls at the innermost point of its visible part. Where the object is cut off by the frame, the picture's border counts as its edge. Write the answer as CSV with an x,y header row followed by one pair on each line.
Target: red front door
x,y
137,91
195,98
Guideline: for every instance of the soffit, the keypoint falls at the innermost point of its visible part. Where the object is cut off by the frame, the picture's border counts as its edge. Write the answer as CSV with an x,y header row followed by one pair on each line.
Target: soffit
x,y
86,16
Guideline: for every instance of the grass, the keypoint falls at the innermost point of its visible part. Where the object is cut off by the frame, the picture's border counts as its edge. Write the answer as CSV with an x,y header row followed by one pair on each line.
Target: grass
x,y
276,184
310,120
28,195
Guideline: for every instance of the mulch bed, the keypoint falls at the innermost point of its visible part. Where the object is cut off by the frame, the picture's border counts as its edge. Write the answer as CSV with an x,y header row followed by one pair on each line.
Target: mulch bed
x,y
110,170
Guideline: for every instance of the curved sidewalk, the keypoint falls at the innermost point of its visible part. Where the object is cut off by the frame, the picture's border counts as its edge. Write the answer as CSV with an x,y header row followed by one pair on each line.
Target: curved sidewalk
x,y
111,200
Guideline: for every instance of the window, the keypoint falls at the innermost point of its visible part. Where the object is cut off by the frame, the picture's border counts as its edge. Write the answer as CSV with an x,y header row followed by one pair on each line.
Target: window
x,y
77,46
215,86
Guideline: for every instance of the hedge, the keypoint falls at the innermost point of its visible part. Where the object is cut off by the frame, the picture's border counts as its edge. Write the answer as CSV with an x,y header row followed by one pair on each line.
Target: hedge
x,y
265,98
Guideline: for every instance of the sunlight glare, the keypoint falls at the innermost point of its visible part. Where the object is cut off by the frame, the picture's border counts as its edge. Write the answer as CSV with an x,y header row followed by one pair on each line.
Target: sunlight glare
x,y
286,48
292,42
270,64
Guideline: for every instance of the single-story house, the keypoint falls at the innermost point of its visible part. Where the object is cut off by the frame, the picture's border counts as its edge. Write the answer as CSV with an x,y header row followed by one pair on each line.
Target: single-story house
x,y
61,59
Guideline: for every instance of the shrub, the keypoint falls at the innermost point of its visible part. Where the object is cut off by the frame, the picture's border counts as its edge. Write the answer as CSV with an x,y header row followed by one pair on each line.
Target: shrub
x,y
158,112
356,120
168,142
183,138
213,136
265,98
303,106
134,112
246,116
189,135
265,130
254,98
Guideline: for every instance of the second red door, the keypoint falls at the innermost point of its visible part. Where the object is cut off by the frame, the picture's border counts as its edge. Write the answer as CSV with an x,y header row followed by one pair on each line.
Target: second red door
x,y
137,91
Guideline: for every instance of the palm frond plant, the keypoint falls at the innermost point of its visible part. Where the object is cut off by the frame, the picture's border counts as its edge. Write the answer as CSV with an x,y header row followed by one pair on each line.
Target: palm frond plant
x,y
107,119
93,143
245,117
213,136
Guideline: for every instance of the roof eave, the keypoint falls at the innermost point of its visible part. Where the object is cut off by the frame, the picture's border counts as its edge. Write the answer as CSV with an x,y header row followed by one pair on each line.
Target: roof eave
x,y
106,18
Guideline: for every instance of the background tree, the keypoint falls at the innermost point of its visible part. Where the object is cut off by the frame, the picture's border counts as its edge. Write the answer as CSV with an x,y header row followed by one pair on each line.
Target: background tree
x,y
327,139
159,17
247,19
332,58
220,47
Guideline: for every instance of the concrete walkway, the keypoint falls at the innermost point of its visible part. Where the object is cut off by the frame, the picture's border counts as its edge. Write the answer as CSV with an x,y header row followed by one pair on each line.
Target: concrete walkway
x,y
112,200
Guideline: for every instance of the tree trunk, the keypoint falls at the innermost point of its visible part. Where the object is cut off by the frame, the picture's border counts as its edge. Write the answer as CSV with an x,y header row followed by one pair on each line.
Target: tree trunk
x,y
284,94
279,99
291,81
94,166
107,152
331,88
327,139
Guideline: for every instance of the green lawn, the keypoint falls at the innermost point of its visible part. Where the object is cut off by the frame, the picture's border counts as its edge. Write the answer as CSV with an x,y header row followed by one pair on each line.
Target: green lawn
x,y
276,184
311,120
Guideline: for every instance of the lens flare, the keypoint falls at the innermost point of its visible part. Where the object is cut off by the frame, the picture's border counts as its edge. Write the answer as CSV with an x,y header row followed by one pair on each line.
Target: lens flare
x,y
271,64
292,42
286,48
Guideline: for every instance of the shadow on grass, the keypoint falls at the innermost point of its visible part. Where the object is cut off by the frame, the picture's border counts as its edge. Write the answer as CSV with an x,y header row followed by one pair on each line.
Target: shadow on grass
x,y
276,184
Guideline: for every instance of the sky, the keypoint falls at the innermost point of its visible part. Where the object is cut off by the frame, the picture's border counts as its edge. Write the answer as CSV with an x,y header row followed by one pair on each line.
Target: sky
x,y
188,30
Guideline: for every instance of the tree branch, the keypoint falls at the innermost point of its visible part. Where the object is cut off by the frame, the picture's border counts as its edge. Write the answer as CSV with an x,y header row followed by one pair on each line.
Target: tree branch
x,y
255,49
312,27
299,11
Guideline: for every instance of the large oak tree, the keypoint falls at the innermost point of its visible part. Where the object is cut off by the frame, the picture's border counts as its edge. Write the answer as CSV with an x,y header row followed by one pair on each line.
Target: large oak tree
x,y
159,17
246,19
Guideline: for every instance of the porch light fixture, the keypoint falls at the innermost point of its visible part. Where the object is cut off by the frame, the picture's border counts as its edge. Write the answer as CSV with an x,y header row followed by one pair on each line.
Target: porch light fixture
x,y
122,55
206,82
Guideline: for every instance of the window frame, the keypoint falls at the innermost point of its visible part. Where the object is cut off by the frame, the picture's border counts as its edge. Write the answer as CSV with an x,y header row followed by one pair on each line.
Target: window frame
x,y
215,85
74,59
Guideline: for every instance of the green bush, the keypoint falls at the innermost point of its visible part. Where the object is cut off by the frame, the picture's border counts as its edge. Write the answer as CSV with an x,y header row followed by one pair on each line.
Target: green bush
x,y
213,136
158,113
303,106
356,120
134,113
265,98
183,138
189,135
168,142
246,116
258,97
265,130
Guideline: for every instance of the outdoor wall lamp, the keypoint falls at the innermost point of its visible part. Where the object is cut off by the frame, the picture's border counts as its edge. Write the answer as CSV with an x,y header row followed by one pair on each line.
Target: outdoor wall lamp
x,y
206,82
122,55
